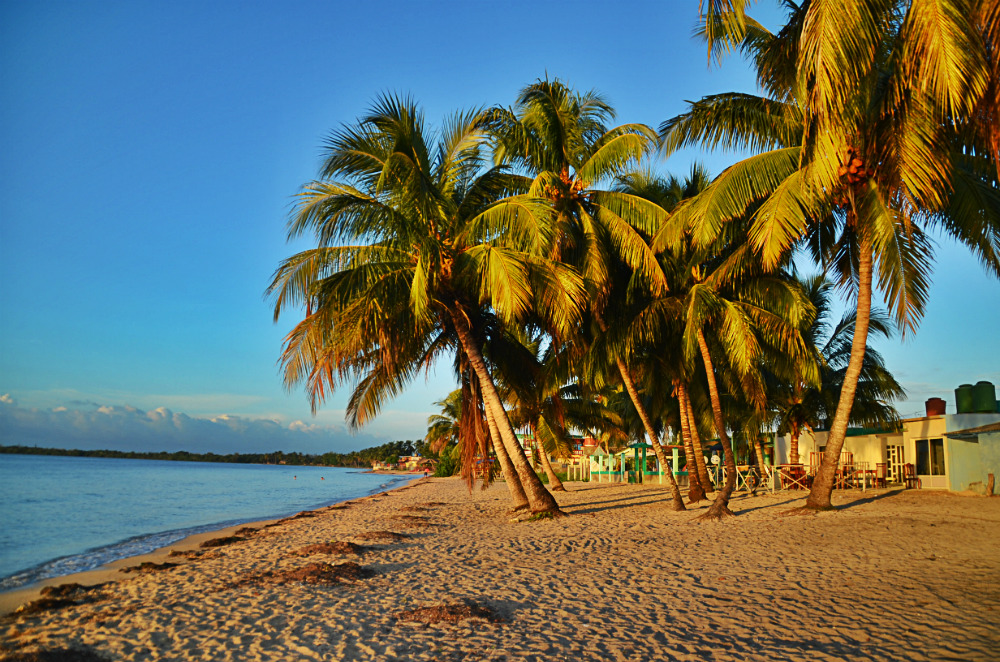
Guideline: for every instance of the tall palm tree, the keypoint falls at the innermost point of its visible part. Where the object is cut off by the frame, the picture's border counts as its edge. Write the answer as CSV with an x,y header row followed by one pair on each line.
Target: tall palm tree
x,y
561,139
420,245
804,406
867,142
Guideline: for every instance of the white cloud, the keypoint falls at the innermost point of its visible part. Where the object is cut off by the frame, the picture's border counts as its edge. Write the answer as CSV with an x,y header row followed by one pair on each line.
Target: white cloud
x,y
119,427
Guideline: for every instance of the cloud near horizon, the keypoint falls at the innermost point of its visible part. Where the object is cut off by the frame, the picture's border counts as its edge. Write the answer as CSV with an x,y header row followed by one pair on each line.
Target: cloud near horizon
x,y
126,428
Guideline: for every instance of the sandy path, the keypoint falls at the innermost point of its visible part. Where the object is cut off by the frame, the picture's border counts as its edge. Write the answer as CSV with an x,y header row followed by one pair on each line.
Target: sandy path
x,y
893,576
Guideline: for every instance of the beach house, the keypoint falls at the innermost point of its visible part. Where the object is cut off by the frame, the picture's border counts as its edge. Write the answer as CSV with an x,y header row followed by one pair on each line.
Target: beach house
x,y
956,452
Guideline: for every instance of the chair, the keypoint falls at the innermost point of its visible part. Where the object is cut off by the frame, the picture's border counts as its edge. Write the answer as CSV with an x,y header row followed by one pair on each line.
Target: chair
x,y
794,477
881,475
910,476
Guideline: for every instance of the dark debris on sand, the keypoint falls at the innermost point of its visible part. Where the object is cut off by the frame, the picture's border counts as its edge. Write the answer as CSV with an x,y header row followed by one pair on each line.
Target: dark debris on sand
x,y
219,542
382,535
246,531
449,613
331,548
60,597
312,573
148,567
53,655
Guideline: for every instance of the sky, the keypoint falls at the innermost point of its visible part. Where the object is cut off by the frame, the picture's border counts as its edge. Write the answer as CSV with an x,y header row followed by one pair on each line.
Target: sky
x,y
149,153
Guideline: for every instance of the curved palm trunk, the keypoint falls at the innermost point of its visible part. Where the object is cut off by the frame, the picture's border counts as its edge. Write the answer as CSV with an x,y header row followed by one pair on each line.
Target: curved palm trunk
x,y
517,494
539,498
675,492
555,484
719,507
699,453
822,488
696,492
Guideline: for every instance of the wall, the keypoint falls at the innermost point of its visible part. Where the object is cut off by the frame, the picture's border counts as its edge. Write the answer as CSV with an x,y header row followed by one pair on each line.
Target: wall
x,y
866,448
989,453
964,464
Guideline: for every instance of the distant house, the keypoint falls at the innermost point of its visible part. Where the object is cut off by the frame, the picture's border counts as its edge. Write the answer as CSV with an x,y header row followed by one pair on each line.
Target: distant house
x,y
415,463
954,452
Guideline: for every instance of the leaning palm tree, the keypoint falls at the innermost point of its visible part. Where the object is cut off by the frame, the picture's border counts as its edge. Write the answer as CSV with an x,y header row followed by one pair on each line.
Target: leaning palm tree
x,y
420,246
867,141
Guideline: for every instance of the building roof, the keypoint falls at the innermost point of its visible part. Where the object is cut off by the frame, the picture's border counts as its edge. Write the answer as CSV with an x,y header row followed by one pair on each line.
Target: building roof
x,y
971,432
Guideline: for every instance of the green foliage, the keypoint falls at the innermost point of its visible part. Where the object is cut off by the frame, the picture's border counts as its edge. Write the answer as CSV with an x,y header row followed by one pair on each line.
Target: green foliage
x,y
361,458
448,463
540,516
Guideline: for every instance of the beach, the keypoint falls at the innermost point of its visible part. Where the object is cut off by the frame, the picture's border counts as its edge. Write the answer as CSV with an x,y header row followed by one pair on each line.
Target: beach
x,y
431,571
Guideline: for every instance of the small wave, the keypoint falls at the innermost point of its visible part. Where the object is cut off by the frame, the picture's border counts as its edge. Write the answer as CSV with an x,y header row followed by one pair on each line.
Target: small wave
x,y
101,556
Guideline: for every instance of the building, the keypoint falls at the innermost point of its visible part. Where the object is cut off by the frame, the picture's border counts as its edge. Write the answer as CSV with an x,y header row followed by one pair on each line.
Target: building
x,y
956,452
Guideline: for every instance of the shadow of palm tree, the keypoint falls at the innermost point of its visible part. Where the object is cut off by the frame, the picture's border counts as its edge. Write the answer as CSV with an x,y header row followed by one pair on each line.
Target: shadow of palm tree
x,y
873,498
664,500
767,506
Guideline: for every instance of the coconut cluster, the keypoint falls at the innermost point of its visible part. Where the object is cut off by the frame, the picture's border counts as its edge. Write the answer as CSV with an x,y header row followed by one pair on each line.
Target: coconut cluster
x,y
853,172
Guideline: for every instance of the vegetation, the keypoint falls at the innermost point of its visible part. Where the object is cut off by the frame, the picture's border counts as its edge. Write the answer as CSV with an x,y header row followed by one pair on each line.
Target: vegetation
x,y
388,452
576,290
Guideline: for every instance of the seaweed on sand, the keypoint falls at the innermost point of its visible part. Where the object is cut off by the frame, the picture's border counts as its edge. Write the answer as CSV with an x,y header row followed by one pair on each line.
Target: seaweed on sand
x,y
449,613
331,548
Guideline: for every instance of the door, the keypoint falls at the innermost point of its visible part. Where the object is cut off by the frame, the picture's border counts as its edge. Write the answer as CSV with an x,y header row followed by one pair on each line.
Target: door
x,y
894,463
931,469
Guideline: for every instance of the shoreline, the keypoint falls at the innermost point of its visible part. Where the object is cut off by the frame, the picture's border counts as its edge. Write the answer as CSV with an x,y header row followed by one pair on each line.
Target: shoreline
x,y
11,599
444,574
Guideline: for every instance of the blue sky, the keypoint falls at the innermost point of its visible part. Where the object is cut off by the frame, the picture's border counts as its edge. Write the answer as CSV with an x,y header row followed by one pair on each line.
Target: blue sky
x,y
149,152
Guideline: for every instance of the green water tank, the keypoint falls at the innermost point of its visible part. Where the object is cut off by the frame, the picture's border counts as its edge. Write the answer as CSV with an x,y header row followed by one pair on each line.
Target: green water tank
x,y
963,399
984,397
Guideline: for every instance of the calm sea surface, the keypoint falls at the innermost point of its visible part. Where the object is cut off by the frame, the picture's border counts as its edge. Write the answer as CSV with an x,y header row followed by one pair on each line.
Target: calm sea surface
x,y
60,515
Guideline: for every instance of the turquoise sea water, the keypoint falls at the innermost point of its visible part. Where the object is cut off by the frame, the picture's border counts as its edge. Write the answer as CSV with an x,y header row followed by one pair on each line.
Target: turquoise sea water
x,y
60,515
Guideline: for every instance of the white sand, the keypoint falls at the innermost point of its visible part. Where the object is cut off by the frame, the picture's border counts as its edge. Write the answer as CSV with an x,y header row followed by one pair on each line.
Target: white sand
x,y
893,576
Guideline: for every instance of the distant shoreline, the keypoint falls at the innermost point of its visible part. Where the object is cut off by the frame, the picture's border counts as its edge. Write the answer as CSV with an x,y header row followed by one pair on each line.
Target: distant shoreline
x,y
278,457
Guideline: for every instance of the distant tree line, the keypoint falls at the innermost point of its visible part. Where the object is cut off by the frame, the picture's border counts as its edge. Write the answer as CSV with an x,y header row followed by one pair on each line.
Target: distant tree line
x,y
389,452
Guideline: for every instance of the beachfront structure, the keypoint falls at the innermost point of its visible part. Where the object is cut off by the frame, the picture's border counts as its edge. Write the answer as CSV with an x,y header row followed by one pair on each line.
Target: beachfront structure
x,y
635,464
954,452
581,447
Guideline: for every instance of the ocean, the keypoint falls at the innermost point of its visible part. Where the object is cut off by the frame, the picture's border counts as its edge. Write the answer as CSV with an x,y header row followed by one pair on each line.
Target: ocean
x,y
60,515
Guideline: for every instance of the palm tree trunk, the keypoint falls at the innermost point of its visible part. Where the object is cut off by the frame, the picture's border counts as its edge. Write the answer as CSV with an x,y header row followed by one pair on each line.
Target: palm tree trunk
x,y
822,488
699,453
675,492
555,485
517,494
719,507
759,451
793,445
696,492
540,499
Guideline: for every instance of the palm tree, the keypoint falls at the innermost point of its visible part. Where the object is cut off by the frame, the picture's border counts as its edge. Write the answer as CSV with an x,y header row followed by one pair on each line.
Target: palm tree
x,y
420,246
561,139
867,142
804,406
443,428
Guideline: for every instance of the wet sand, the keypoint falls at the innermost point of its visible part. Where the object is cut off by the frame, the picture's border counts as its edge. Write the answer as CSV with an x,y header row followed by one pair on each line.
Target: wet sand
x,y
893,575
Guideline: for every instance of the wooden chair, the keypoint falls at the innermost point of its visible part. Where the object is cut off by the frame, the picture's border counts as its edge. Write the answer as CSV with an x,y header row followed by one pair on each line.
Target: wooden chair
x,y
910,476
881,475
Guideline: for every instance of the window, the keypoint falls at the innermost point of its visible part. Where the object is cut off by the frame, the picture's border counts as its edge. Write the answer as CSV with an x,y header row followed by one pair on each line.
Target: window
x,y
930,457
